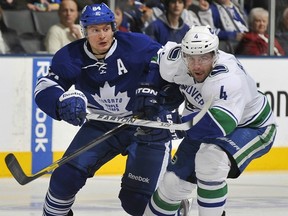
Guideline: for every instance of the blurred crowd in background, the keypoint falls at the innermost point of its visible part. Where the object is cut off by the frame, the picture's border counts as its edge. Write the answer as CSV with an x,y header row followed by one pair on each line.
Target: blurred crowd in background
x,y
44,26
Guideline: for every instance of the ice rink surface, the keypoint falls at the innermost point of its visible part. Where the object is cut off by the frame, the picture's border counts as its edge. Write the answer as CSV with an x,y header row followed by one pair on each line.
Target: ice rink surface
x,y
252,194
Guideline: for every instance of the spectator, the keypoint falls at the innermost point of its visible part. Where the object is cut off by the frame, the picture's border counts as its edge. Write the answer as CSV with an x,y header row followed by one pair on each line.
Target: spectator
x,y
152,10
189,17
43,5
280,5
133,14
137,15
169,26
82,3
282,31
119,13
228,20
255,42
3,46
66,31
13,4
155,9
9,40
195,7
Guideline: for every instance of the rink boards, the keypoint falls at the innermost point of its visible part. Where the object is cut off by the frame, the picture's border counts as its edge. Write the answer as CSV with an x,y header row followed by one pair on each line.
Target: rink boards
x,y
37,140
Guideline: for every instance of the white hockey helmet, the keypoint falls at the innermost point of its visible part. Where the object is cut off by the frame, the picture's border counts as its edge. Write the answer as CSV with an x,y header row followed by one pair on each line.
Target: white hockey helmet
x,y
200,40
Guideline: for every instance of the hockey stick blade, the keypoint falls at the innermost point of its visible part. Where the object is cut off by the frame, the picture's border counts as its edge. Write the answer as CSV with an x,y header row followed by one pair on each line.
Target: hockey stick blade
x,y
153,124
16,170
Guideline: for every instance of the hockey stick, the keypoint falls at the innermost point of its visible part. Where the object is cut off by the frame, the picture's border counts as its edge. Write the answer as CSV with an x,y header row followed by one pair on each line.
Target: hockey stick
x,y
18,173
153,124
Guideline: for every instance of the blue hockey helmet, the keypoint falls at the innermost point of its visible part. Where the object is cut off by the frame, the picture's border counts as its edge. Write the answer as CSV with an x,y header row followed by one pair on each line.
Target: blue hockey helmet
x,y
96,14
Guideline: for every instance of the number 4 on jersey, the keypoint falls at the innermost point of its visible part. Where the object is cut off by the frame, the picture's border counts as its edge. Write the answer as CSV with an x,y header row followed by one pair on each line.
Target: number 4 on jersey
x,y
223,94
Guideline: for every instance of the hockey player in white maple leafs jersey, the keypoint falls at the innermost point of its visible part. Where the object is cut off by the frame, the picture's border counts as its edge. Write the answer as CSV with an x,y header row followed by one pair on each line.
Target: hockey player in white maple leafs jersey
x,y
238,127
106,68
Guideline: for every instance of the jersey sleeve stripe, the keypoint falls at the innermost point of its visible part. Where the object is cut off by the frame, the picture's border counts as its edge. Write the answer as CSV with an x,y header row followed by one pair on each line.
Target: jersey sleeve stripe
x,y
225,121
261,117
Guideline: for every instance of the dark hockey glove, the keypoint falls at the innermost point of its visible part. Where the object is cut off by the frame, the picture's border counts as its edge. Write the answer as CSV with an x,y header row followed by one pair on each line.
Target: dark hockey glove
x,y
170,97
153,135
146,103
71,106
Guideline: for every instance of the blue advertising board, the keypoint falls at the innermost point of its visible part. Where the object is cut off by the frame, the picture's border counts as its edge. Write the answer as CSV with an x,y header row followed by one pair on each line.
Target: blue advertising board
x,y
41,146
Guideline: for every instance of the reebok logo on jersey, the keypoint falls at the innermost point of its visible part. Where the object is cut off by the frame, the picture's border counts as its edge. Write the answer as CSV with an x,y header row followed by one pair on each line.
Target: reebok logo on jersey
x,y
70,94
138,178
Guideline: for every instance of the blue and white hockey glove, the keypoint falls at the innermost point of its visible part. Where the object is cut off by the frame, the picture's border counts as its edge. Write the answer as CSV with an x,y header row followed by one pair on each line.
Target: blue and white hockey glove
x,y
146,103
70,105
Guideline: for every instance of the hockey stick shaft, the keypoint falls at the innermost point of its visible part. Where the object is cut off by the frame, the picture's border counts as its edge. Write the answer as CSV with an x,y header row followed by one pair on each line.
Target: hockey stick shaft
x,y
153,124
18,173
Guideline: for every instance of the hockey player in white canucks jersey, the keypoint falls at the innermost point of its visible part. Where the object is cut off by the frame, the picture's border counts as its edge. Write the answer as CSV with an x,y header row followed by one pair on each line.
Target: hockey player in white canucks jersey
x,y
238,127
106,68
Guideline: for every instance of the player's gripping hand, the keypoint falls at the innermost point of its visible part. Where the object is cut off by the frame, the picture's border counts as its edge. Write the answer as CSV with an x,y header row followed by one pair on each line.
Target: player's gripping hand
x,y
70,105
170,97
154,135
146,103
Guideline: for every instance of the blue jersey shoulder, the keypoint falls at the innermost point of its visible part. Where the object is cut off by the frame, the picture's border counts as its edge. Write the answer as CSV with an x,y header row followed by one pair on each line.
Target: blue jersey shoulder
x,y
136,41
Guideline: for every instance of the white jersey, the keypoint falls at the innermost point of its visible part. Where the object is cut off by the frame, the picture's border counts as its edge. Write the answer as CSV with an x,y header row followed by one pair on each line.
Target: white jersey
x,y
231,88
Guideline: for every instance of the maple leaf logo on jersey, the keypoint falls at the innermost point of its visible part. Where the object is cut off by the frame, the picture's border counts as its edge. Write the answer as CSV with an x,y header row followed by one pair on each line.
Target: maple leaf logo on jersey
x,y
110,101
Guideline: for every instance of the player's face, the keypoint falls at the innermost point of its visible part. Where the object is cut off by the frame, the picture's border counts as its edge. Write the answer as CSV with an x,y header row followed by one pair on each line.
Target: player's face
x,y
100,37
199,66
